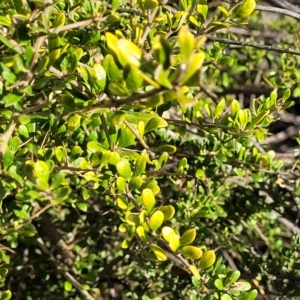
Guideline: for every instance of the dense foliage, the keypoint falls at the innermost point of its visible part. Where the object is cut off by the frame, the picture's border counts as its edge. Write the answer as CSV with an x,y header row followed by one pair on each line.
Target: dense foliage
x,y
136,161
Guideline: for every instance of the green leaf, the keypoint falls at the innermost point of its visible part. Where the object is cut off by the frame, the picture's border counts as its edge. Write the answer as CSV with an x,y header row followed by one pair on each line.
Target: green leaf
x,y
219,284
286,95
219,109
133,219
6,295
208,259
10,99
235,107
258,119
82,206
188,237
156,220
191,252
195,62
100,75
129,53
135,183
127,138
8,159
68,286
133,78
168,211
234,276
148,200
121,184
57,180
140,165
18,64
226,297
24,119
159,252
252,295
166,148
124,169
111,68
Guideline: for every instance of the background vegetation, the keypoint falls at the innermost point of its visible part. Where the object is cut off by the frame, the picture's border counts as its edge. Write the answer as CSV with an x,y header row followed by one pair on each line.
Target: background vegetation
x,y
149,150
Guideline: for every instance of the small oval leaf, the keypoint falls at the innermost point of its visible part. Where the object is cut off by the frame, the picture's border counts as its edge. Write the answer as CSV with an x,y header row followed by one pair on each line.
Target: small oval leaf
x,y
174,242
188,237
168,211
208,259
141,233
159,253
156,220
133,219
124,169
167,232
148,200
195,272
191,252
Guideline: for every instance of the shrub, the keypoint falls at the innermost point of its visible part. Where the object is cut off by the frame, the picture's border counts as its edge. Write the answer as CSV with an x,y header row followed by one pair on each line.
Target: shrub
x,y
131,156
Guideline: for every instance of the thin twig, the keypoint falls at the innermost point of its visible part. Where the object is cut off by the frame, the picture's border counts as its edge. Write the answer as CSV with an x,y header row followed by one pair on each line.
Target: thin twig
x,y
278,11
149,23
105,128
142,142
249,44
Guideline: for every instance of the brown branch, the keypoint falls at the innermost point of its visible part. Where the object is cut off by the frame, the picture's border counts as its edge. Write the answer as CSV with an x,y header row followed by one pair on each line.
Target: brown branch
x,y
66,274
45,227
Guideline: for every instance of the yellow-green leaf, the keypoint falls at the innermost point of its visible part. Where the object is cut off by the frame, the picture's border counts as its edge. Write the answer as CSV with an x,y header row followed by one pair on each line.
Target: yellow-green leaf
x,y
194,65
159,253
219,109
191,252
174,242
188,237
156,220
41,170
142,216
73,122
186,42
141,233
126,243
124,169
235,107
121,184
135,183
148,199
129,52
208,259
195,272
245,9
168,211
140,165
167,232
121,203
133,219
166,148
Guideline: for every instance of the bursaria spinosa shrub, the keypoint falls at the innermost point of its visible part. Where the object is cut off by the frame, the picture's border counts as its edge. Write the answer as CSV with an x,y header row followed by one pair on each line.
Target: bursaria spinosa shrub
x,y
133,155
